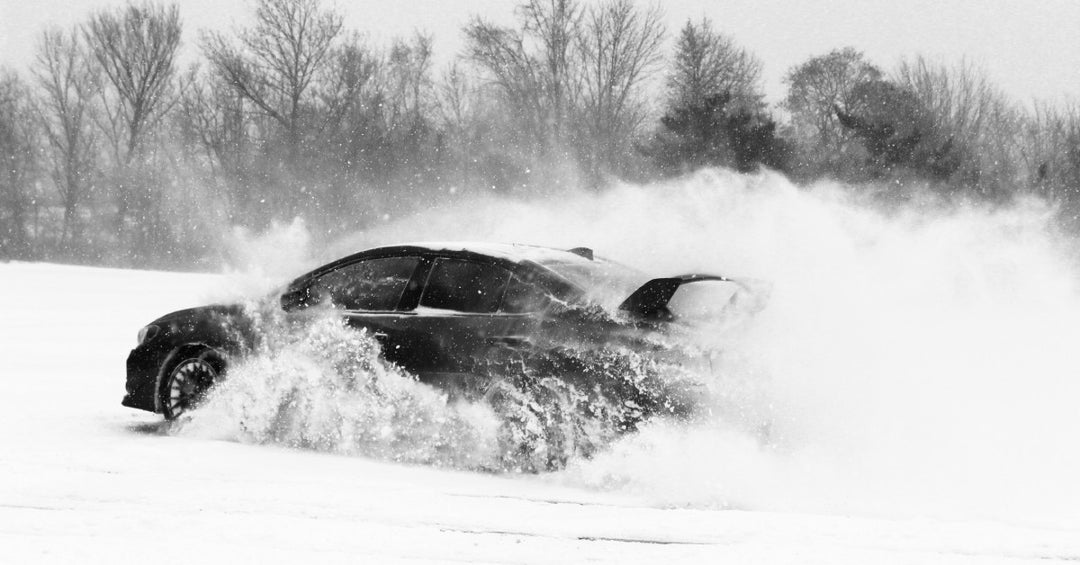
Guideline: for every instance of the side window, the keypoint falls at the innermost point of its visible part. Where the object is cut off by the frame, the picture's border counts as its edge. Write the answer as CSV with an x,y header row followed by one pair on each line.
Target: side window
x,y
464,286
374,284
522,297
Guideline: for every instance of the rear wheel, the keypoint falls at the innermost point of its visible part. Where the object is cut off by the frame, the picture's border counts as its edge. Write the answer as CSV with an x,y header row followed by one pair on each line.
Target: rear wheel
x,y
187,380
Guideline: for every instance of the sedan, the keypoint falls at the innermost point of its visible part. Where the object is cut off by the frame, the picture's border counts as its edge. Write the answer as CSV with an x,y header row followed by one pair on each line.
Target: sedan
x,y
454,315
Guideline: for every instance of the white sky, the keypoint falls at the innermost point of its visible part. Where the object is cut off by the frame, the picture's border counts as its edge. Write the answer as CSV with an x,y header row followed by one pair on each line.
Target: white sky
x,y
1030,48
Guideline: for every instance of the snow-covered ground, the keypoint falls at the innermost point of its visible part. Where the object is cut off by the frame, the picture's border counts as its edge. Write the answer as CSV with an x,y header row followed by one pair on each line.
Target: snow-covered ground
x,y
83,479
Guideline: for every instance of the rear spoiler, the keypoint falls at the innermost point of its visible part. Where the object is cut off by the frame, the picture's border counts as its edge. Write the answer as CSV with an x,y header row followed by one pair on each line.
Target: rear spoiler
x,y
650,300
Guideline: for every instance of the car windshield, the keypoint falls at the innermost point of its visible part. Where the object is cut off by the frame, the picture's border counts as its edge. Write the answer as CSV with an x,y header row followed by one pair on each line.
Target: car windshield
x,y
605,282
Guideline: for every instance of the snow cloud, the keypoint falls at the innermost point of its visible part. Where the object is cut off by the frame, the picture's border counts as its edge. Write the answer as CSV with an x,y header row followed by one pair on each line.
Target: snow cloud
x,y
915,358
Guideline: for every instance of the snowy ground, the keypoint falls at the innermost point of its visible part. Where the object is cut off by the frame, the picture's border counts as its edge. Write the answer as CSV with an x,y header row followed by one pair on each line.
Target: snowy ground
x,y
83,479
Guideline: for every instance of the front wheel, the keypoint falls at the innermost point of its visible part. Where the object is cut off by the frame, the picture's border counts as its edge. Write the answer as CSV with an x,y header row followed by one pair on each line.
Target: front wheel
x,y
187,381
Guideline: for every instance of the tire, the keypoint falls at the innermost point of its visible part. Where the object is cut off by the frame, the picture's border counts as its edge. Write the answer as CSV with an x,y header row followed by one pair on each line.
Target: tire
x,y
187,379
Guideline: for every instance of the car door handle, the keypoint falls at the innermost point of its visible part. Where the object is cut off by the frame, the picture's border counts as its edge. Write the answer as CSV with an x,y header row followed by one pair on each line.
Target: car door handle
x,y
508,340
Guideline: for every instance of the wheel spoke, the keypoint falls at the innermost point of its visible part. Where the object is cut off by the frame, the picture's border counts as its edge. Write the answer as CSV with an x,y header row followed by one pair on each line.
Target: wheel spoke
x,y
186,385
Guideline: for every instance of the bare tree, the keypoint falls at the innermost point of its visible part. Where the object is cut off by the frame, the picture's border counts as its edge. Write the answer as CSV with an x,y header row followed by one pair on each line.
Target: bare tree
x,y
531,67
1065,173
68,81
554,25
351,96
467,119
276,62
456,98
970,115
708,63
350,82
408,105
409,82
509,70
18,145
619,49
136,48
815,89
571,78
213,120
1051,151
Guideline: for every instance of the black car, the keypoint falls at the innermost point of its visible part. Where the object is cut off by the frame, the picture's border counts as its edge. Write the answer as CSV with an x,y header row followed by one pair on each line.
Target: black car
x,y
446,313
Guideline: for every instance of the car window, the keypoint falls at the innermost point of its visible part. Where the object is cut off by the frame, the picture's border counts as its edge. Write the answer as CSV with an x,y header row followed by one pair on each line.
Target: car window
x,y
464,286
374,284
523,297
604,282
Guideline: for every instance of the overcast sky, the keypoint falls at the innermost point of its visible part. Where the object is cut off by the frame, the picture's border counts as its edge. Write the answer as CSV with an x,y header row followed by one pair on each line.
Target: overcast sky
x,y
1030,48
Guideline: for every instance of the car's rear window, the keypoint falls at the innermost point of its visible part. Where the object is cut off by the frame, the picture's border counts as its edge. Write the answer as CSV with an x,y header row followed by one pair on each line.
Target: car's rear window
x,y
604,282
523,297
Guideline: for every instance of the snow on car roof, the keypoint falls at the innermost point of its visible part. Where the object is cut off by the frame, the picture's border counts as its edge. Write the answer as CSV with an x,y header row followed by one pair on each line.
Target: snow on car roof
x,y
516,252
605,281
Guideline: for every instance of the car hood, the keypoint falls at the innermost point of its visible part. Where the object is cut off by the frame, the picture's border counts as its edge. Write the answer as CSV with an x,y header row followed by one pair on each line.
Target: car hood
x,y
225,327
209,311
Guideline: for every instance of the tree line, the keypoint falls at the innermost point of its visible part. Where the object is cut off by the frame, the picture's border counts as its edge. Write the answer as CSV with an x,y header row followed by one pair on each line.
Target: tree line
x,y
115,154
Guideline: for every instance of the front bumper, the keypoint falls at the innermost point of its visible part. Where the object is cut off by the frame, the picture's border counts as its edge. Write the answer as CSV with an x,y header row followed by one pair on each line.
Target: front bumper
x,y
143,368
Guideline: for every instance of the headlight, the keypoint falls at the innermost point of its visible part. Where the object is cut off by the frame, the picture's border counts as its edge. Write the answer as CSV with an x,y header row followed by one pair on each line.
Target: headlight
x,y
147,333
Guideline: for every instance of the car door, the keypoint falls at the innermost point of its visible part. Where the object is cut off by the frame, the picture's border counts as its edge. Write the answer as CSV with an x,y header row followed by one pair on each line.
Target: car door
x,y
369,293
458,318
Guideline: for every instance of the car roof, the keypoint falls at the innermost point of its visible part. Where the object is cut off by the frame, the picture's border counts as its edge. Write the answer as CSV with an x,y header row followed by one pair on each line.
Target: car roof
x,y
578,266
513,252
602,280
595,278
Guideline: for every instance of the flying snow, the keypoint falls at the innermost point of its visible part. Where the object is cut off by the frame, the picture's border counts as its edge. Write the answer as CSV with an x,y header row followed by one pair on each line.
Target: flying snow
x,y
916,358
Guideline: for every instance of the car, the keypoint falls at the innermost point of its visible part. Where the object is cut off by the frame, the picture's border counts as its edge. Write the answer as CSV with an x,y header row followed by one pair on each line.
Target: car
x,y
455,315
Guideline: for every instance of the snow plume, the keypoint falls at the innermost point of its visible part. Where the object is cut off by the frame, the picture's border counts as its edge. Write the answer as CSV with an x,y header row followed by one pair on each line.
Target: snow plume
x,y
314,383
914,359
256,263
919,358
